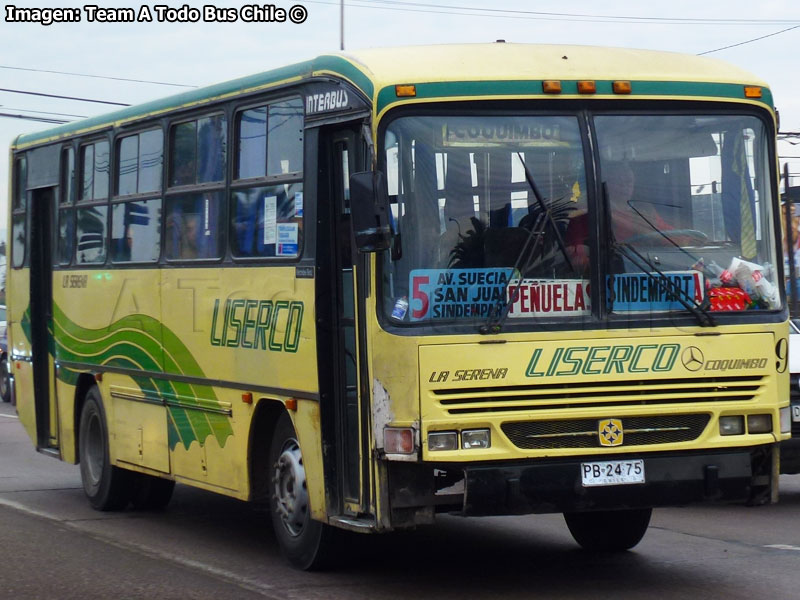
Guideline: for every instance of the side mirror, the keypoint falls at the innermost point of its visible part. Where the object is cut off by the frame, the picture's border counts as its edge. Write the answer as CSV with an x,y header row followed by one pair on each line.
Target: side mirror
x,y
369,211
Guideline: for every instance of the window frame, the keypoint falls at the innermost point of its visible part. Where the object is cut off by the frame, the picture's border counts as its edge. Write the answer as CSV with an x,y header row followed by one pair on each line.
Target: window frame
x,y
266,181
170,144
82,145
122,199
67,189
19,207
172,193
82,204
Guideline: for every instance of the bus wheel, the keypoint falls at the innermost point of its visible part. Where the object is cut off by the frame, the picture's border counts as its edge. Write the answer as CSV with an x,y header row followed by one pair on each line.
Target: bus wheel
x,y
303,540
609,531
5,384
106,486
151,492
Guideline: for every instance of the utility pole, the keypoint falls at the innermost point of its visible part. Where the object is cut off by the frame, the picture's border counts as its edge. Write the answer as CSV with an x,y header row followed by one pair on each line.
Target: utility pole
x,y
341,25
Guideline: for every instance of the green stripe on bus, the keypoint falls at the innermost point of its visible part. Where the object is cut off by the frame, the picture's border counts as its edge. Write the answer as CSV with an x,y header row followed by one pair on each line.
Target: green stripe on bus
x,y
449,89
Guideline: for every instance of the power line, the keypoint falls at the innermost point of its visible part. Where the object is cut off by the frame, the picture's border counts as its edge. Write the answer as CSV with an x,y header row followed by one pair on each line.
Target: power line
x,y
670,20
31,118
62,97
401,6
749,41
46,112
96,76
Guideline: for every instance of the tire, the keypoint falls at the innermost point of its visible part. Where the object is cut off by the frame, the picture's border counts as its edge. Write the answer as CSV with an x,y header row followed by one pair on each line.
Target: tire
x,y
107,487
306,543
150,492
609,531
5,381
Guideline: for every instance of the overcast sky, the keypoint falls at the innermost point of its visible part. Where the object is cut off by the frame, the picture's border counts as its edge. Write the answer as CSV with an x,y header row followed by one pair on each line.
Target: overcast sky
x,y
203,53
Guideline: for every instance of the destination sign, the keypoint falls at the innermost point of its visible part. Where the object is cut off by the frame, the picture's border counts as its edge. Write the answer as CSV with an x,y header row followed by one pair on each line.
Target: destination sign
x,y
456,293
501,132
648,292
549,298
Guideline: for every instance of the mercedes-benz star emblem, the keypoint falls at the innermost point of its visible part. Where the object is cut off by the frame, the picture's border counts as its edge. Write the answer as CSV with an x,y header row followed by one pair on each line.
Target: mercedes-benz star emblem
x,y
692,358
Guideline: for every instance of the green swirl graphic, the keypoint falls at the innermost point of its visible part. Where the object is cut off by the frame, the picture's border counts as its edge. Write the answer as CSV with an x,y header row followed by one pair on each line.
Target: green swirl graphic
x,y
143,343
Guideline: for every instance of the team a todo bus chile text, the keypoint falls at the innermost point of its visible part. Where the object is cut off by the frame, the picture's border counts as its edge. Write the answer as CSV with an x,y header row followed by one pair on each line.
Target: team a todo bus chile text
x,y
92,13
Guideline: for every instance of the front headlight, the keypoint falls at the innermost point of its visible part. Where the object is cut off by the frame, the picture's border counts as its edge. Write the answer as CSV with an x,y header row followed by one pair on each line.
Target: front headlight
x,y
442,440
475,438
731,425
759,423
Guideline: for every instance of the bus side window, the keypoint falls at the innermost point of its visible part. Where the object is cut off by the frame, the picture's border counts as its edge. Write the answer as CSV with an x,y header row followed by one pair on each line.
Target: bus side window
x,y
192,226
19,204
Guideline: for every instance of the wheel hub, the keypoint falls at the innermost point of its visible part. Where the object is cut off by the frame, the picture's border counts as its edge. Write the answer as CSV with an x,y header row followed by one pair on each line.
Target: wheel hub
x,y
94,450
291,493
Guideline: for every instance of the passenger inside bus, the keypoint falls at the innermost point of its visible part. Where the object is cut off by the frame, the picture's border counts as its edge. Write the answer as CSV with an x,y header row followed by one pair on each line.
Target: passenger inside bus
x,y
183,235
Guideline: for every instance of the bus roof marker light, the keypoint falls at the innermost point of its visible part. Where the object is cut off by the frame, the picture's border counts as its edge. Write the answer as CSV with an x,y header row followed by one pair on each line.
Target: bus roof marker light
x,y
551,86
752,91
587,87
622,87
405,91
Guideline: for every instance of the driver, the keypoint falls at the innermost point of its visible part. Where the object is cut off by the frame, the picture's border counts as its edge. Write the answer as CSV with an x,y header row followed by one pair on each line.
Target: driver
x,y
628,219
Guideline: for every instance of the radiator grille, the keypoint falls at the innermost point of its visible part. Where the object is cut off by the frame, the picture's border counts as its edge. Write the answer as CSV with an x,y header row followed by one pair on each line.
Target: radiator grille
x,y
583,433
598,394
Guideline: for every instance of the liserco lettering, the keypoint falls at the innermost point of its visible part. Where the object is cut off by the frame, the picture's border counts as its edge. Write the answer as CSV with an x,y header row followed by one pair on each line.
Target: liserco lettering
x,y
601,360
251,324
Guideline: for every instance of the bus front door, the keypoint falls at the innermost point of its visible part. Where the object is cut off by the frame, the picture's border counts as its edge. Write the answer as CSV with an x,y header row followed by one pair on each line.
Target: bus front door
x,y
41,316
340,293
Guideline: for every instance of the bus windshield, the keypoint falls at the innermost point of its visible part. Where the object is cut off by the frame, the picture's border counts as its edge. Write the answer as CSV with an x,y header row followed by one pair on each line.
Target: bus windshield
x,y
501,216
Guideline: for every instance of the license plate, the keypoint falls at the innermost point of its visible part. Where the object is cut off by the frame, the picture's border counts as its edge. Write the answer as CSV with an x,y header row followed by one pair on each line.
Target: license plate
x,y
612,472
796,413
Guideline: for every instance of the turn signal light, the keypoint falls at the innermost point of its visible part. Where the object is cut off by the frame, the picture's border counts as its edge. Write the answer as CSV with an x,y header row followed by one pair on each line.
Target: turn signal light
x,y
786,419
752,91
398,440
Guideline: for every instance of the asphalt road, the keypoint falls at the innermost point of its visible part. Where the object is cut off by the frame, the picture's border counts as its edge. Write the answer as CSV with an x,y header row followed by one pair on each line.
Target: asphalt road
x,y
53,545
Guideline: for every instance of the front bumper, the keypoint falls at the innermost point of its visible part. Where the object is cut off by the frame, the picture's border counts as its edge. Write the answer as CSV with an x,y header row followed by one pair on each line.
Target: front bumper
x,y
550,486
556,487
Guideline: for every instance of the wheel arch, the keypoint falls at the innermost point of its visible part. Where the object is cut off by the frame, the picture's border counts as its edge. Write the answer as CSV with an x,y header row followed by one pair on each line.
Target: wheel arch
x,y
267,413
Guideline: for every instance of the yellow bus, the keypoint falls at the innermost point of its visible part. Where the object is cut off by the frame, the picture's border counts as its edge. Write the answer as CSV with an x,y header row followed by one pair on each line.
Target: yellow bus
x,y
374,287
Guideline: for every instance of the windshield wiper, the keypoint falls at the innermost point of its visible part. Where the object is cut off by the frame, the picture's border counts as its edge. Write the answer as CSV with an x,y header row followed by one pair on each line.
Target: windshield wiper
x,y
653,273
546,212
665,283
496,318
